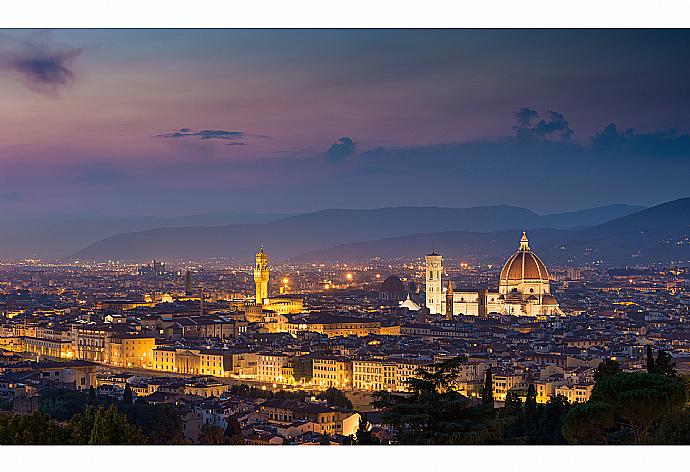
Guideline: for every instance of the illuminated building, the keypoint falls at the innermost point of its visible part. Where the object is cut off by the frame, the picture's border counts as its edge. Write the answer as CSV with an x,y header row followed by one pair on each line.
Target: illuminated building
x,y
214,362
524,289
284,305
576,393
434,295
332,325
130,350
332,372
269,367
261,275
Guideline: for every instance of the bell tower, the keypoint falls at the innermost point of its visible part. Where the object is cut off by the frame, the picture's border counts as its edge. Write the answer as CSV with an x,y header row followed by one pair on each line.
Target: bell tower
x,y
434,294
261,274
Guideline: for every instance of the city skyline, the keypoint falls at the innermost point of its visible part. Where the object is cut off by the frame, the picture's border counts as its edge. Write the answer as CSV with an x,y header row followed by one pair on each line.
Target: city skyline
x,y
171,122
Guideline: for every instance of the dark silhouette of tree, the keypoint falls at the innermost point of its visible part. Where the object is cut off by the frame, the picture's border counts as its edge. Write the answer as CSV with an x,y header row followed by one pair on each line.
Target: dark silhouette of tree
x,y
101,426
92,395
336,398
664,364
325,441
211,435
127,395
514,418
531,417
434,412
233,432
650,360
488,390
363,435
35,429
551,418
607,368
161,424
625,408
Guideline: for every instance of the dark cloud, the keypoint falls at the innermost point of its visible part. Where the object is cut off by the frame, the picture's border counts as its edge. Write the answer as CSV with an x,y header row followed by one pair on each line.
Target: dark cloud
x,y
529,127
43,67
233,137
340,150
669,143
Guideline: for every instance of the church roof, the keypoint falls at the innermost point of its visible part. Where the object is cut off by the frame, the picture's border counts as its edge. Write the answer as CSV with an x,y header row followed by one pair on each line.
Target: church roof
x,y
392,284
524,264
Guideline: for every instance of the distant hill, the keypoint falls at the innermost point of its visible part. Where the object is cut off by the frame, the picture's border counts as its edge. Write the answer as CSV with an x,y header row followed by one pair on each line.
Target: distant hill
x,y
60,237
288,237
657,234
484,248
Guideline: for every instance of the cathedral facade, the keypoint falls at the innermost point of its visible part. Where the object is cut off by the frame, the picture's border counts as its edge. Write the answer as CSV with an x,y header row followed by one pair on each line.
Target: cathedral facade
x,y
524,289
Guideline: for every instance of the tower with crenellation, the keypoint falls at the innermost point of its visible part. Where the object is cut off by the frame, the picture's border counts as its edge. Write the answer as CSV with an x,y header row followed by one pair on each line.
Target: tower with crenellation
x,y
261,274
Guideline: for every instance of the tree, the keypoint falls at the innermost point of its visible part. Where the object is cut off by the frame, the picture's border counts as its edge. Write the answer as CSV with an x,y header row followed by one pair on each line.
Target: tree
x,y
664,364
625,408
161,424
607,368
101,426
127,395
551,421
92,395
363,435
324,441
233,432
35,429
513,415
211,435
336,398
650,360
488,391
434,412
531,418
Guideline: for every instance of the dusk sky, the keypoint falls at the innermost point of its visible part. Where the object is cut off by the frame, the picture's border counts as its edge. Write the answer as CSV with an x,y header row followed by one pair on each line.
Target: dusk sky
x,y
168,122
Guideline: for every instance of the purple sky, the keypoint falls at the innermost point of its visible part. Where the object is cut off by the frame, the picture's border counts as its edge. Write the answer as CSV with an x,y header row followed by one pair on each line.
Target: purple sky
x,y
145,122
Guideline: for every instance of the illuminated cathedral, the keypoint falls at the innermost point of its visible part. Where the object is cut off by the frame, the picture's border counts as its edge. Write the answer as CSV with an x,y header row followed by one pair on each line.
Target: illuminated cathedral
x,y
523,290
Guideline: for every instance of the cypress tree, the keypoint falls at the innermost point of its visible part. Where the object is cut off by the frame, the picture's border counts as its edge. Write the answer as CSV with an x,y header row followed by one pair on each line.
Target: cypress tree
x,y
650,360
488,391
127,396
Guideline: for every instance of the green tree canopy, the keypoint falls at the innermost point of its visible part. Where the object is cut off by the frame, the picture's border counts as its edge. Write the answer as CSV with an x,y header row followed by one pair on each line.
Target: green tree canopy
x,y
625,408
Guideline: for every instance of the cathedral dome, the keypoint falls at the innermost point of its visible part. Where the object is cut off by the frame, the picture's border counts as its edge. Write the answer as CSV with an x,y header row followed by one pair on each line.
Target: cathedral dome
x,y
524,265
392,284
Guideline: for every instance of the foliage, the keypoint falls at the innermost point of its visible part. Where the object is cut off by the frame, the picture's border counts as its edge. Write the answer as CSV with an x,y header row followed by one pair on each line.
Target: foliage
x,y
625,408
607,368
363,436
664,364
244,390
35,429
101,426
650,360
127,395
160,424
233,432
488,390
435,413
335,398
211,435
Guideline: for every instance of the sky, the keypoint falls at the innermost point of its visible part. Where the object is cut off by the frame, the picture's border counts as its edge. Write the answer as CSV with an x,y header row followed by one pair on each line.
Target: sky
x,y
172,122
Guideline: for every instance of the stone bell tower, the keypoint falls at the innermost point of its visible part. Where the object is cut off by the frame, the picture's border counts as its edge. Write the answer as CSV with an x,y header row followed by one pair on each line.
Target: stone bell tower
x,y
434,293
261,274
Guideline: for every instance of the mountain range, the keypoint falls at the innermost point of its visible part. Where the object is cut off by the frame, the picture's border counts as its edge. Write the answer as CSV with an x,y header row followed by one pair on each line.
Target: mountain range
x,y
338,234
660,234
59,237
